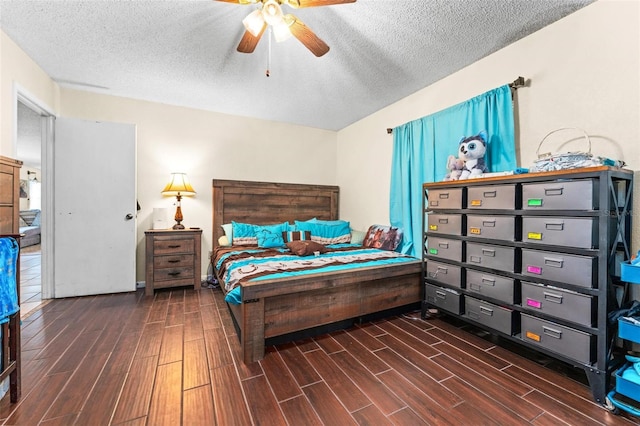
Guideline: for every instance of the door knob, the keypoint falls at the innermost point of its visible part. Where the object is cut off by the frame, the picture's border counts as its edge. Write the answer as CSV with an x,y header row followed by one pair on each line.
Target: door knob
x,y
129,216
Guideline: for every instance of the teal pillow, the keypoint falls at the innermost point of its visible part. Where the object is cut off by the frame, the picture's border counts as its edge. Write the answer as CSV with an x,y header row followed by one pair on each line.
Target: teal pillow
x,y
243,234
327,233
270,236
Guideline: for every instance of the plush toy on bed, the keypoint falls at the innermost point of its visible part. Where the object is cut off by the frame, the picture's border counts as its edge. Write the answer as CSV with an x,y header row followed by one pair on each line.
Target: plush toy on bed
x,y
472,150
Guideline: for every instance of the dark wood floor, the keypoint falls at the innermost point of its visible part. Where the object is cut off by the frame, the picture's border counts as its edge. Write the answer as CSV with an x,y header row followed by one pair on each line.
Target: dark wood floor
x,y
174,359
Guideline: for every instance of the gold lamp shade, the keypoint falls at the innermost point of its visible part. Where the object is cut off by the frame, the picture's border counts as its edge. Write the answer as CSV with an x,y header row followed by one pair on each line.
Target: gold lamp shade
x,y
179,186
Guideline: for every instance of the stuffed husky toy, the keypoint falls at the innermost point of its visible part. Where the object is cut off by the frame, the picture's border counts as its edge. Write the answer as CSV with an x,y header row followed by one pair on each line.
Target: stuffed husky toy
x,y
471,150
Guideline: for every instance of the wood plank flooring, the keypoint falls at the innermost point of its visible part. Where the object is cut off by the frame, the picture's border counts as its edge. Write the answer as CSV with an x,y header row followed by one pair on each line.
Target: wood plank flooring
x,y
174,359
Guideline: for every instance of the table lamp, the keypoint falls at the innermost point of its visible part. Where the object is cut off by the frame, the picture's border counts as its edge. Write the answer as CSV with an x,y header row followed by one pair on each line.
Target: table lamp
x,y
180,187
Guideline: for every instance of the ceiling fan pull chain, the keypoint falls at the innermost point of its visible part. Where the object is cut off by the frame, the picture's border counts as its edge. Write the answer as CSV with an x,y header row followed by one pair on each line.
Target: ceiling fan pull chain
x,y
269,54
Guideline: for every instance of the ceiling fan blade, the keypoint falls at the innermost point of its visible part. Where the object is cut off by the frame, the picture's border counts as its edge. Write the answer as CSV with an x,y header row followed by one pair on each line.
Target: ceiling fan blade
x,y
249,42
306,36
297,4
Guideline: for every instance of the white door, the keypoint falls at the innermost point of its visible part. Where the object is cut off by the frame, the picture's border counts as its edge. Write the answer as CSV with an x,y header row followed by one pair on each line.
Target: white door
x,y
94,209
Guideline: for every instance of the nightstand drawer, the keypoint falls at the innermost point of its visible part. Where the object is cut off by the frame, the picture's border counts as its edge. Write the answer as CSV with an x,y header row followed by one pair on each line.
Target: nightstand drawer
x,y
164,245
174,274
175,261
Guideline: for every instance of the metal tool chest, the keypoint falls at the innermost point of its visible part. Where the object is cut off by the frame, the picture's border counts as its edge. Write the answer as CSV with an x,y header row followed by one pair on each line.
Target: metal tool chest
x,y
533,258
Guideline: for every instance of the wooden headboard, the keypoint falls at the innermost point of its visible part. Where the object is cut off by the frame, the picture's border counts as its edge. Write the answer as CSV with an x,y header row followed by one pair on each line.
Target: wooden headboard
x,y
267,202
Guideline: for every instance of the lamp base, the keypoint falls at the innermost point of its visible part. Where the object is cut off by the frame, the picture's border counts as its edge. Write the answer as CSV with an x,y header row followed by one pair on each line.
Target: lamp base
x,y
178,226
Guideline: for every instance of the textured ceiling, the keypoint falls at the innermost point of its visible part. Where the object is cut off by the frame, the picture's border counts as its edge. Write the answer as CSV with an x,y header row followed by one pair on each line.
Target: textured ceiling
x,y
184,52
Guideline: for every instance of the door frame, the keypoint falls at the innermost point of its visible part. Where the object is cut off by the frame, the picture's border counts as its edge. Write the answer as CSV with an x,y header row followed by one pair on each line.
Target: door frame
x,y
46,153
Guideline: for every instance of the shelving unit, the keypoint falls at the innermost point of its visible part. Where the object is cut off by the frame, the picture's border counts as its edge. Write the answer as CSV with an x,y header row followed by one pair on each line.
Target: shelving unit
x,y
533,258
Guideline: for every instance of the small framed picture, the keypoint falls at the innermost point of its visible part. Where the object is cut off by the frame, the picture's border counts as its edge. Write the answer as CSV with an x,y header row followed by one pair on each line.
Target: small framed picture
x,y
24,188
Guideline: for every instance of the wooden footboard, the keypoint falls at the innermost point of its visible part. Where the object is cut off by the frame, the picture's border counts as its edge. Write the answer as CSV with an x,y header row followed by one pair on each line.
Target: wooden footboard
x,y
276,308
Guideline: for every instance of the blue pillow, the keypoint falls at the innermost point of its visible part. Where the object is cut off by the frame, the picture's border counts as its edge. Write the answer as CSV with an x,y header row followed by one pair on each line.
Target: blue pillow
x,y
243,234
327,233
270,236
36,219
328,222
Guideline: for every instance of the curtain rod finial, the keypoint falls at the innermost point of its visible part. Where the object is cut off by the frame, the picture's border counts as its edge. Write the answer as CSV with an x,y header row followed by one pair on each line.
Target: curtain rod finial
x,y
389,130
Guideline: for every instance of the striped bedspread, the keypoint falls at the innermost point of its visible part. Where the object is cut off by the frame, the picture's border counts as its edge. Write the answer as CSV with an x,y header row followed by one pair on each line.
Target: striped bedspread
x,y
235,265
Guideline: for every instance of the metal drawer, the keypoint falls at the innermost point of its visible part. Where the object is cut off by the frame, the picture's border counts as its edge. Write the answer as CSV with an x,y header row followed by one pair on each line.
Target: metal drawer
x,y
492,227
450,198
492,197
445,248
579,232
561,267
560,195
444,298
494,316
561,303
491,256
444,273
490,285
566,341
444,223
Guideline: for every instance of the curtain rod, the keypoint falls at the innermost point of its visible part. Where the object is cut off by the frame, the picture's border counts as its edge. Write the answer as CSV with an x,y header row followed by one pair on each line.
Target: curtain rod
x,y
518,82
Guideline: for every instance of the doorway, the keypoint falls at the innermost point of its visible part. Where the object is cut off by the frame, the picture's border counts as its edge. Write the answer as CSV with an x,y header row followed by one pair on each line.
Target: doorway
x,y
28,150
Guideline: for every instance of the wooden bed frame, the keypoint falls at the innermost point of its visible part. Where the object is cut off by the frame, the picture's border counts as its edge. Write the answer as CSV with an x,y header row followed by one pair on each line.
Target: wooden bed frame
x,y
272,310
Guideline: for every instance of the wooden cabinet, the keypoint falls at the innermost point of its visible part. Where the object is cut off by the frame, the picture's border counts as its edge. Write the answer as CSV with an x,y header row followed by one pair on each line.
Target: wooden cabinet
x,y
533,258
172,258
9,195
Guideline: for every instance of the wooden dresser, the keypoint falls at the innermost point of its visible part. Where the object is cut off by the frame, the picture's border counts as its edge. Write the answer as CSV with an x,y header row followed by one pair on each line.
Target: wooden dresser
x,y
172,258
9,195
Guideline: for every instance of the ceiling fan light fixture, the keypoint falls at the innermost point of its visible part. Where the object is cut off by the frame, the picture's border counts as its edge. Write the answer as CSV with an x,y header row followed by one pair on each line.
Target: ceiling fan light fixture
x,y
272,12
281,31
254,22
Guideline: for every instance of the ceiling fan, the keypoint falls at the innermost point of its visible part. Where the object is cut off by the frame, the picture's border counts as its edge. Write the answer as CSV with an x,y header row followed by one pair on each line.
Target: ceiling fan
x,y
283,26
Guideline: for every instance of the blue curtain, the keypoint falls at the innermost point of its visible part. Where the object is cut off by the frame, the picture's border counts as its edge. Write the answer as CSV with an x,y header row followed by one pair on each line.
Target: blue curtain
x,y
421,148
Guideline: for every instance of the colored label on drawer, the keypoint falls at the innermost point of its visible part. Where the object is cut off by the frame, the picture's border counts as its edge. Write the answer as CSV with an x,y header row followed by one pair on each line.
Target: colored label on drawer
x,y
534,303
533,336
534,236
433,251
433,227
476,202
534,270
534,202
474,231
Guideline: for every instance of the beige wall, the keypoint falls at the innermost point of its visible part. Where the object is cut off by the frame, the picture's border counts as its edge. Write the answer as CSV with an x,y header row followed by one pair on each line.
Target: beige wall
x,y
205,145
583,71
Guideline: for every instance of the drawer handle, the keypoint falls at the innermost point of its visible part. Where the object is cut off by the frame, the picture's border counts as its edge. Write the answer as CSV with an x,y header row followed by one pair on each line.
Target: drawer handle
x,y
552,297
488,281
475,259
558,226
474,286
489,223
486,311
443,220
443,195
439,270
490,194
556,334
553,191
433,203
174,246
173,260
555,263
174,274
489,252
441,294
443,245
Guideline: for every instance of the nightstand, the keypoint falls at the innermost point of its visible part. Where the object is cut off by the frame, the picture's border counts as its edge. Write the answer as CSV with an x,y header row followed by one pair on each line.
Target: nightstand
x,y
172,258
